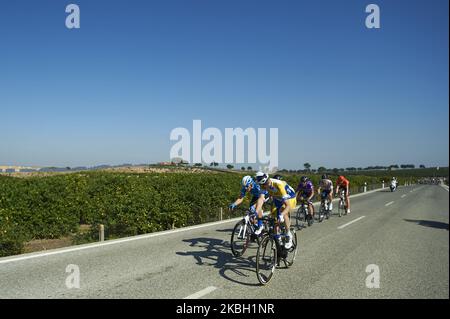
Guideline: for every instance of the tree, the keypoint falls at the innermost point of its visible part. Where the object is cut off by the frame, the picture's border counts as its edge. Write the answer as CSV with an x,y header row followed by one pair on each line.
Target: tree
x,y
335,170
216,164
243,168
198,164
249,168
422,166
307,166
229,166
321,169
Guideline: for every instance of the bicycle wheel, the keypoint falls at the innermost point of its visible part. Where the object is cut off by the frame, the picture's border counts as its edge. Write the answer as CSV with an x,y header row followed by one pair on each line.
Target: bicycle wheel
x,y
240,238
340,208
321,212
298,216
292,252
266,260
310,220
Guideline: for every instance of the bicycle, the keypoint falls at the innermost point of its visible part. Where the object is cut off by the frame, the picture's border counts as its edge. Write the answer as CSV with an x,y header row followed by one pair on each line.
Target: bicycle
x,y
303,216
342,208
244,233
324,210
271,250
300,215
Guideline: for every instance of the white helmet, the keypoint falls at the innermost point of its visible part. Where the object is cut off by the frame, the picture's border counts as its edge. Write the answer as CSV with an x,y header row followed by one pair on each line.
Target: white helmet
x,y
246,181
261,177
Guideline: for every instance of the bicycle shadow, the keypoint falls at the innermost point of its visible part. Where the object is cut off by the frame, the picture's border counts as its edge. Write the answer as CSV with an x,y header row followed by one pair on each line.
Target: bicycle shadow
x,y
225,230
216,253
428,223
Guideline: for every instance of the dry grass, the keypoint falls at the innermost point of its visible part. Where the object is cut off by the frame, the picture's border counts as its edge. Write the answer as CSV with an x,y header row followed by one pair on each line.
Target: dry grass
x,y
45,244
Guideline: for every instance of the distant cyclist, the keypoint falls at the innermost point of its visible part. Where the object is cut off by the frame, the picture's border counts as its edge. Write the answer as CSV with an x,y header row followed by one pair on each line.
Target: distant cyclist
x,y
325,190
343,183
283,197
305,192
394,180
256,203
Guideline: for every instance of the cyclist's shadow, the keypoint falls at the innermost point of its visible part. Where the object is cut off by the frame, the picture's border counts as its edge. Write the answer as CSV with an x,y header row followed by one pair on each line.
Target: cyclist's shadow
x,y
217,253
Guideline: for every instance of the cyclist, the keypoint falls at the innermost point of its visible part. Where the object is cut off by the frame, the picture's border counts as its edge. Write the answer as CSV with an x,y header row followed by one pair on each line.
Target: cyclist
x,y
305,192
343,183
325,190
257,201
394,180
284,200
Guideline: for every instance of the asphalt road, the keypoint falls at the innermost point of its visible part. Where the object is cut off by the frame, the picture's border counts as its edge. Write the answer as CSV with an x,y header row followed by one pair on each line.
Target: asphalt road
x,y
404,233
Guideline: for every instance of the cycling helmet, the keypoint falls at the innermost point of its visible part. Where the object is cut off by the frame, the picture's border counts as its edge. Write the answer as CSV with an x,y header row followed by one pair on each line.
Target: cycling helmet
x,y
304,179
324,176
246,181
261,177
340,178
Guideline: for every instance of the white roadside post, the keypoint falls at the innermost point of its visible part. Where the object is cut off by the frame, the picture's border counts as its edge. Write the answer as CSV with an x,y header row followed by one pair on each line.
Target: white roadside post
x,y
365,187
382,185
101,232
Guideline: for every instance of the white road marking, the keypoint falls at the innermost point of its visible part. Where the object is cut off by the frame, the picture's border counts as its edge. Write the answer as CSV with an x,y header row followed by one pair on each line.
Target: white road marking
x,y
353,221
445,187
390,203
403,196
201,293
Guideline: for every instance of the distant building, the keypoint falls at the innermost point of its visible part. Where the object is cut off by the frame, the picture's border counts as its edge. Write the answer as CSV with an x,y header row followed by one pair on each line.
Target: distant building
x,y
165,163
13,169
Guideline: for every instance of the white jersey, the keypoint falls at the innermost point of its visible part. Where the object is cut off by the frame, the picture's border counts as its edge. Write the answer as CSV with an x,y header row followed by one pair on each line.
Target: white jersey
x,y
326,185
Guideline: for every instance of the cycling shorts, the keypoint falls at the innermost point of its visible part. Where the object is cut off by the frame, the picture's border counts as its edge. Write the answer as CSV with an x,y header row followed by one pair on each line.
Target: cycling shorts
x,y
279,205
325,193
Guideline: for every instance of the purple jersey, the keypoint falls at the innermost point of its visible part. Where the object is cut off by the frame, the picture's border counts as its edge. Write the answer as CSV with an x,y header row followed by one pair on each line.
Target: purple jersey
x,y
307,189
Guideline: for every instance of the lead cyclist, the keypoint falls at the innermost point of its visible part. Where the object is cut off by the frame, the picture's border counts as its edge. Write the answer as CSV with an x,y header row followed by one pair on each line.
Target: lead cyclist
x,y
284,200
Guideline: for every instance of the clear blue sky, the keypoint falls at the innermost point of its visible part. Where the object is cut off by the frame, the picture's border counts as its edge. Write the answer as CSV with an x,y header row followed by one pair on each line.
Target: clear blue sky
x,y
109,93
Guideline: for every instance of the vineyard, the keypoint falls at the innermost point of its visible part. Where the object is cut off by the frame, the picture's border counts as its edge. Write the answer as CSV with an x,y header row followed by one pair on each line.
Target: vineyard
x,y
127,204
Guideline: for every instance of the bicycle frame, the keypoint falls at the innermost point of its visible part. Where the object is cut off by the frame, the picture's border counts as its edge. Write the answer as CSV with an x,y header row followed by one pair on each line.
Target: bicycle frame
x,y
271,243
243,230
274,230
302,210
342,205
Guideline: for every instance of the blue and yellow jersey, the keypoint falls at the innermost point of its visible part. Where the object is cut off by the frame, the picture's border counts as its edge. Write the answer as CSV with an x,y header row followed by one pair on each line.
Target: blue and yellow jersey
x,y
280,190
